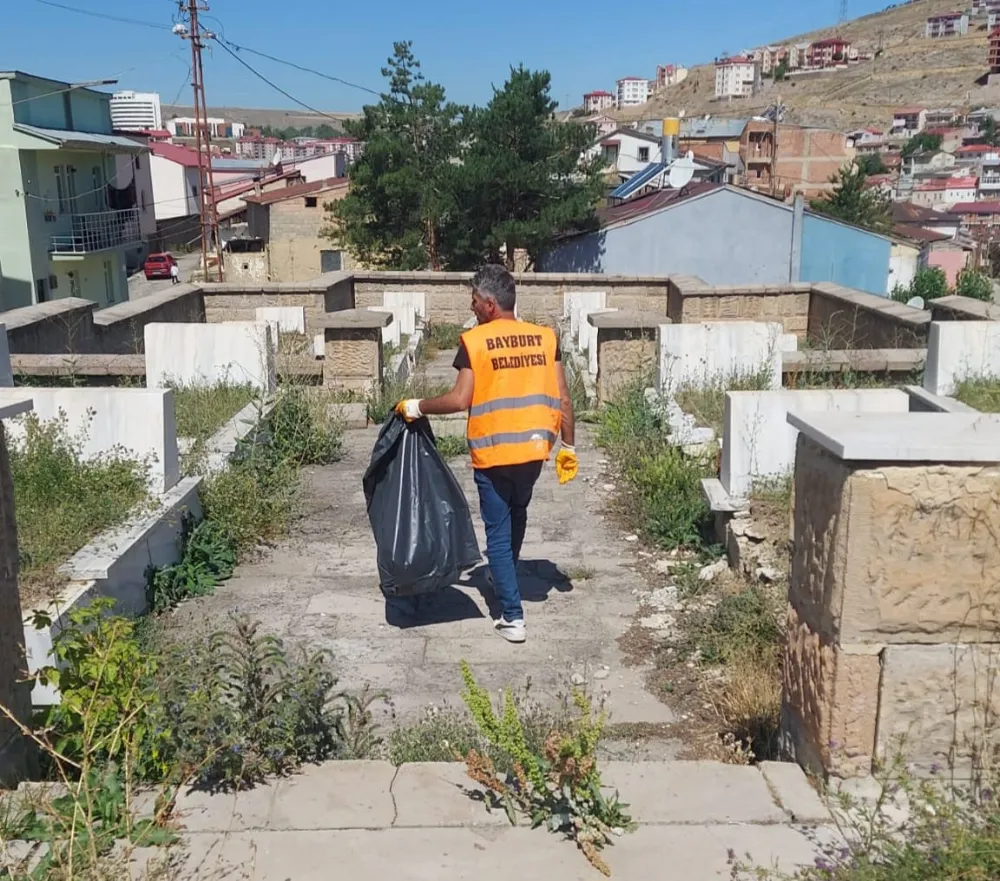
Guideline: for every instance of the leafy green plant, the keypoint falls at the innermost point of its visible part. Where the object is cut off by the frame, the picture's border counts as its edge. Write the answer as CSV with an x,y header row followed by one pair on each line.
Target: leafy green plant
x,y
241,708
576,386
558,786
63,499
981,392
628,419
974,285
706,401
109,710
742,623
302,432
208,558
451,446
439,337
664,484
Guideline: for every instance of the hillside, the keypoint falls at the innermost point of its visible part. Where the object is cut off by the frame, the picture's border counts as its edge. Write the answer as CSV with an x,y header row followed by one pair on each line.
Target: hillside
x,y
909,70
261,116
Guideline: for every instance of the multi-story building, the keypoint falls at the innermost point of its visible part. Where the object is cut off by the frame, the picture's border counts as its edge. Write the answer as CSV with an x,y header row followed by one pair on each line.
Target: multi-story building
x,y
669,75
632,91
828,53
595,102
908,121
944,191
184,127
994,49
947,24
798,56
807,158
258,147
67,221
769,57
737,77
136,111
989,179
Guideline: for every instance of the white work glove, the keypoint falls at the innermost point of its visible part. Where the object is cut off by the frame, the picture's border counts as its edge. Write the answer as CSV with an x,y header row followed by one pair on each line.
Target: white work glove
x,y
409,409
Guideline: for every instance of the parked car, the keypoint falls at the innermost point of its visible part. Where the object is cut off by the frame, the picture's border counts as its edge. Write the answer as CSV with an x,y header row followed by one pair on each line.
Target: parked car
x,y
158,266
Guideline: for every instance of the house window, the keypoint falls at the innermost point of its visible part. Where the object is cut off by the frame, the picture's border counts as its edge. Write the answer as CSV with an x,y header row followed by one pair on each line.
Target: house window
x,y
330,261
97,180
41,290
644,154
310,201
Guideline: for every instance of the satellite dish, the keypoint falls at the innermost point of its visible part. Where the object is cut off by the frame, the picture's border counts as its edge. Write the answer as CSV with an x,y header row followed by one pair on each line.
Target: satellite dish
x,y
916,302
681,171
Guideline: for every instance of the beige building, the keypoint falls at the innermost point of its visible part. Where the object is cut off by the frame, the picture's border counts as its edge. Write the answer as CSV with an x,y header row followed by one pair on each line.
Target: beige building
x,y
290,222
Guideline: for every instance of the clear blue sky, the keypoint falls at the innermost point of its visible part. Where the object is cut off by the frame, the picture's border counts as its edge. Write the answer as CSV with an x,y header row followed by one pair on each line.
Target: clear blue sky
x,y
467,45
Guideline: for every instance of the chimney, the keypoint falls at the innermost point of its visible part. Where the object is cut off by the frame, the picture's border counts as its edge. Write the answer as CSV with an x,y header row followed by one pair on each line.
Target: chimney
x,y
668,143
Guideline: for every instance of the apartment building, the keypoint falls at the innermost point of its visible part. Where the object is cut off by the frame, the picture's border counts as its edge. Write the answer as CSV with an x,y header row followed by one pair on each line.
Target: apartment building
x,y
948,24
994,49
807,158
67,221
596,102
828,53
184,127
769,57
136,111
944,191
632,91
669,75
737,77
908,121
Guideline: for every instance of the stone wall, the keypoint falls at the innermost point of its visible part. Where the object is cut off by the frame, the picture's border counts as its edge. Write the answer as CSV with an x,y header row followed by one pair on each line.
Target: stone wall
x,y
624,356
59,327
893,608
119,329
539,294
841,318
691,301
332,292
14,690
963,309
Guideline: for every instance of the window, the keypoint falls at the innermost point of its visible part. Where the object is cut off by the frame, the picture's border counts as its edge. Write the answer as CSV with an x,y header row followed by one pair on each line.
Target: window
x,y
644,154
97,183
74,284
310,201
330,261
142,199
41,293
71,187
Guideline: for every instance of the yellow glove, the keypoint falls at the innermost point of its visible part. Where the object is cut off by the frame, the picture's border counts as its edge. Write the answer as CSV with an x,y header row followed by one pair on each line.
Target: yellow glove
x,y
567,465
409,410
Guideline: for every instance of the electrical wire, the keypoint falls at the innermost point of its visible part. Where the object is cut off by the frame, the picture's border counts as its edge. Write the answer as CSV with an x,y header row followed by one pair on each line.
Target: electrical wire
x,y
106,16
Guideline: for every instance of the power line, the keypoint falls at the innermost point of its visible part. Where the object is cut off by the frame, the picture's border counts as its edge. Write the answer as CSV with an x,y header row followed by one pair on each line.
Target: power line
x,y
104,15
274,85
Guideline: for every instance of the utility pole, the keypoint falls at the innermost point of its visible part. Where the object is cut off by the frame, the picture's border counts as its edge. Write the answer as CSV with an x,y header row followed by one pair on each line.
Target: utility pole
x,y
208,213
843,11
774,147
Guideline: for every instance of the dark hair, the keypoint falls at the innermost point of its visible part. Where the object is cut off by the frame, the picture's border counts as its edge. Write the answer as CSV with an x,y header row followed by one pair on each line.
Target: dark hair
x,y
495,283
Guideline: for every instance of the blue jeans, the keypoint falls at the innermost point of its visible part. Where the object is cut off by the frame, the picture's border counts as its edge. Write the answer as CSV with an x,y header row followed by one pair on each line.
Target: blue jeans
x,y
504,495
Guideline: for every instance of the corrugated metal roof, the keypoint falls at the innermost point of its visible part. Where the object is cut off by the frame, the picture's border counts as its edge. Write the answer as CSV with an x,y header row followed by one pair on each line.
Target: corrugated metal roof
x,y
729,129
66,138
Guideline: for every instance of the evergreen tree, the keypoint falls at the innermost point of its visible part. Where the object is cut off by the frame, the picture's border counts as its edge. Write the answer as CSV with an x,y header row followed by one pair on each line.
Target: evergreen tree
x,y
400,195
853,202
521,179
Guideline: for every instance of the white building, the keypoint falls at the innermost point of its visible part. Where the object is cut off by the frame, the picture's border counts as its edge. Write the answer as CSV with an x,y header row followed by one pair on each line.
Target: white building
x,y
184,127
595,102
136,111
948,24
632,91
768,57
737,77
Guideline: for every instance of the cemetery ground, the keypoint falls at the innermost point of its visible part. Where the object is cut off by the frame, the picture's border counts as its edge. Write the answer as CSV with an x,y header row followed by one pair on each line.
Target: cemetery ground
x,y
631,609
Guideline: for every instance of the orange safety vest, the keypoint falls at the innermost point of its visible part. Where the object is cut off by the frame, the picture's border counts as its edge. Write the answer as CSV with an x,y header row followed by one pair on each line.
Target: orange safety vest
x,y
516,411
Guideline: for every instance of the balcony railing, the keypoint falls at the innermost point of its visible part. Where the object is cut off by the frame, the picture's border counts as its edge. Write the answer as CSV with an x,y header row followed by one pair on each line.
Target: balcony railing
x,y
99,231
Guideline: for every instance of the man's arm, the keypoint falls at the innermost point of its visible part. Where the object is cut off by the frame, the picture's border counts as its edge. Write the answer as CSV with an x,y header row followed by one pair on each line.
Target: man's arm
x,y
458,400
566,404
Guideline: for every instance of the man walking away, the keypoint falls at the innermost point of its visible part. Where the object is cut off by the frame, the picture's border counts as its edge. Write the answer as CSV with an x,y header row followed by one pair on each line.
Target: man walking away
x,y
175,273
511,380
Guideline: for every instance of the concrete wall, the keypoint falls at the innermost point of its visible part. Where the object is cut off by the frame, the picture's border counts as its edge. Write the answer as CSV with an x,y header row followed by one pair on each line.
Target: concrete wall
x,y
294,238
959,350
952,261
691,300
840,318
963,309
688,239
833,252
624,356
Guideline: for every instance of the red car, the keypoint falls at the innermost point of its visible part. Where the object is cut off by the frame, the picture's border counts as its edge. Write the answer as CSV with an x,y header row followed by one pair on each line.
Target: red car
x,y
158,266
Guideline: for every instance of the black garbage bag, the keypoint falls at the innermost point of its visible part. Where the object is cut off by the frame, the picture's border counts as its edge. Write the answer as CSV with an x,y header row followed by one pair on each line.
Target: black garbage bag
x,y
418,512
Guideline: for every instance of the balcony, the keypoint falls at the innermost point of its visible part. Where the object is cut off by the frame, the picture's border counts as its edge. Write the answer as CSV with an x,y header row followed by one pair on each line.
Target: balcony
x,y
99,231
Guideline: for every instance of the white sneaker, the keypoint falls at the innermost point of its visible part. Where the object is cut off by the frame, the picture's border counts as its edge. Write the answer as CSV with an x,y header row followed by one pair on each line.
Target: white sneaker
x,y
512,631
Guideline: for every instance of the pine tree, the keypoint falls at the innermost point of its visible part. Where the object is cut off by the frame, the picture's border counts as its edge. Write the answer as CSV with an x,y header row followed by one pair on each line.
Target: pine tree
x,y
853,202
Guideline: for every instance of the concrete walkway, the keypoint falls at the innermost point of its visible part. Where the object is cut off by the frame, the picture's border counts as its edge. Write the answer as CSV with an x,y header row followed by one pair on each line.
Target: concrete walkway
x,y
370,821
320,588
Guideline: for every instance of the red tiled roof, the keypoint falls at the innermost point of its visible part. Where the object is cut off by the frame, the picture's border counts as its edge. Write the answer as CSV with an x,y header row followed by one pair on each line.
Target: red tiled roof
x,y
908,111
918,233
907,212
948,183
736,59
635,208
175,153
976,208
296,190
975,148
831,41
237,188
600,93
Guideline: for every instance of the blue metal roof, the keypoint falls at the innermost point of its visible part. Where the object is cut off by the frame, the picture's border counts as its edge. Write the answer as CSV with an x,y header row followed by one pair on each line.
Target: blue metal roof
x,y
638,181
84,140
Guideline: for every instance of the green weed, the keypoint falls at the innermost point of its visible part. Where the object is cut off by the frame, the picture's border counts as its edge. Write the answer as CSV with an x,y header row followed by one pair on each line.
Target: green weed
x,y
706,401
982,393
